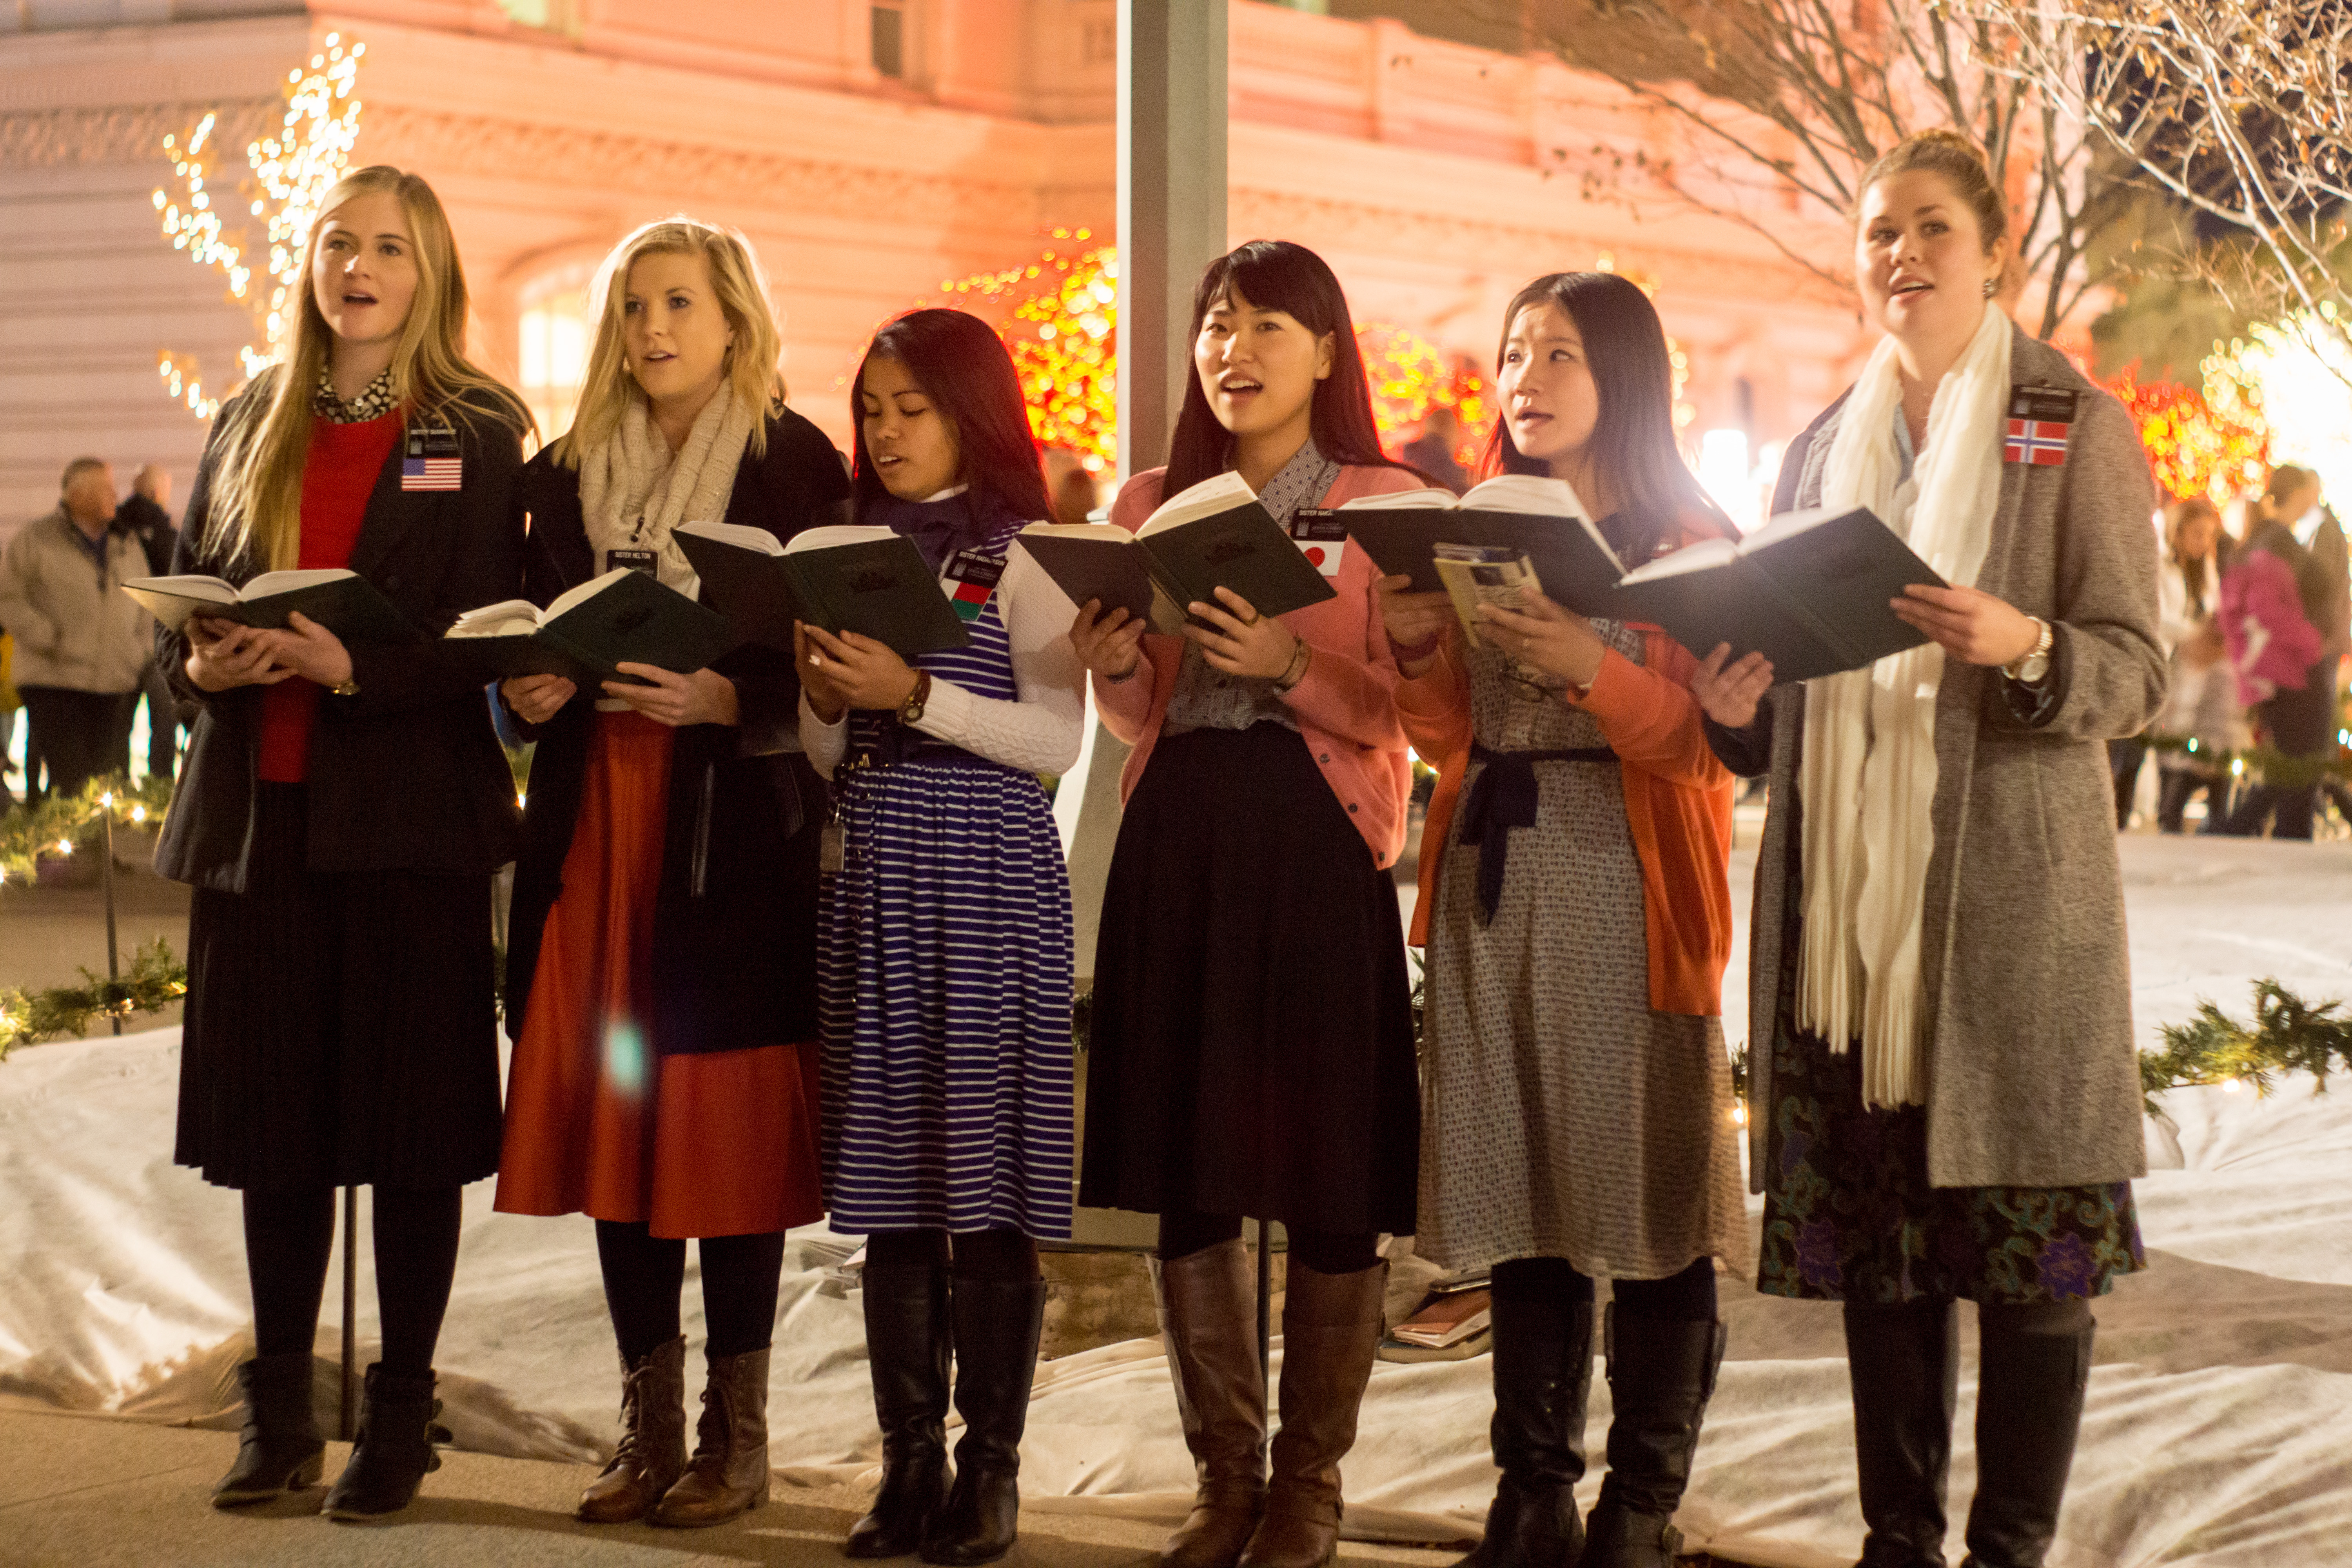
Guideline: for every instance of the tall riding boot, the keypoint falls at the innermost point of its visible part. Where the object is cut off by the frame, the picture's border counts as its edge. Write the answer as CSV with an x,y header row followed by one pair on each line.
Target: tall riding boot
x,y
1208,1317
1331,1330
1543,1375
729,1473
997,1322
651,1454
279,1449
1904,1363
2029,1408
394,1450
1661,1376
907,1336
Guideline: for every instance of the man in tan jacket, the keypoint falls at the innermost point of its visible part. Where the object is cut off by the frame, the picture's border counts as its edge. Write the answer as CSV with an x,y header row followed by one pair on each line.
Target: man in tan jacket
x,y
81,643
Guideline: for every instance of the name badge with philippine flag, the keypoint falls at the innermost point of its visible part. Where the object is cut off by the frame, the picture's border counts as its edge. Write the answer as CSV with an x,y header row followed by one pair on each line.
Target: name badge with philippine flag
x,y
2039,420
1322,538
429,460
973,576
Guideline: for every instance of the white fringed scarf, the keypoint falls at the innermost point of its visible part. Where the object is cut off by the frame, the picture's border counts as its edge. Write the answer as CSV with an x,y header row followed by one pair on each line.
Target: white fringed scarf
x,y
634,491
1868,774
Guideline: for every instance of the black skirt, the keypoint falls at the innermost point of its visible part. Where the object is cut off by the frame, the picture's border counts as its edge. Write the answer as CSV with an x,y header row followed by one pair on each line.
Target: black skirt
x,y
341,1028
1251,1048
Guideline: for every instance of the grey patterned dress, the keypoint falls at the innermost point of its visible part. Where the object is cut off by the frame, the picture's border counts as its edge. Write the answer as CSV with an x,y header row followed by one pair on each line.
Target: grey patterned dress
x,y
1562,1118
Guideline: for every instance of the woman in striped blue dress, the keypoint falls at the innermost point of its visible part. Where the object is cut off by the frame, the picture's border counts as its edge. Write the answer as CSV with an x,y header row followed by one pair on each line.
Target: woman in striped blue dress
x,y
946,975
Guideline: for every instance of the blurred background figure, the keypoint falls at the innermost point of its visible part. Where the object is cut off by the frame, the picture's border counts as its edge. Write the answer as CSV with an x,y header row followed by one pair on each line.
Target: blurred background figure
x,y
2286,618
81,644
2201,708
1432,451
1069,487
146,517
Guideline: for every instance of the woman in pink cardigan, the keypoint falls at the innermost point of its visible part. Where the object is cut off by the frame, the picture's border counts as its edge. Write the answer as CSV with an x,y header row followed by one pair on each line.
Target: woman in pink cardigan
x,y
1251,1049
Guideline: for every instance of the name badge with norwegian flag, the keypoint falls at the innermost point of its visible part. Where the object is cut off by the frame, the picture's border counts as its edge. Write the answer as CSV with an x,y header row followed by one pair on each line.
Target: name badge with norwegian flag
x,y
975,576
1322,538
429,460
2039,420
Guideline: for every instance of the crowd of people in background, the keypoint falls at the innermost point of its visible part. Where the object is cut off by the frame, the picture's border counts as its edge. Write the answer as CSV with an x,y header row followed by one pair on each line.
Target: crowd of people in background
x,y
2257,623
75,655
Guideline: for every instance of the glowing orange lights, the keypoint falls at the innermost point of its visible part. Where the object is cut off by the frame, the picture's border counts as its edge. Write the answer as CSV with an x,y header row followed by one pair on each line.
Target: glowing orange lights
x,y
2213,443
1062,337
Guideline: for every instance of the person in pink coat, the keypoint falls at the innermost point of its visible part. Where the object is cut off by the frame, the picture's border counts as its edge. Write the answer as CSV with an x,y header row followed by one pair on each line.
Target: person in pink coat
x,y
1251,1048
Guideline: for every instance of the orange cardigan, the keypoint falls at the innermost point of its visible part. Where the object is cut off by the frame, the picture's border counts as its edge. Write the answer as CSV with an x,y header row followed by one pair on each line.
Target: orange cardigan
x,y
1346,704
1678,803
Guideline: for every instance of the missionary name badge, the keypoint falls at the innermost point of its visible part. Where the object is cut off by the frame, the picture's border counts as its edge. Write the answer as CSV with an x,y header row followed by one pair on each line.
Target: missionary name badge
x,y
1322,538
644,561
429,460
2039,420
975,574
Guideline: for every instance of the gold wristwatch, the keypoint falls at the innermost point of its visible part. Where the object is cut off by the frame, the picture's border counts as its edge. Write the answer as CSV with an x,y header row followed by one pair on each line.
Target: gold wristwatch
x,y
2030,670
347,686
911,710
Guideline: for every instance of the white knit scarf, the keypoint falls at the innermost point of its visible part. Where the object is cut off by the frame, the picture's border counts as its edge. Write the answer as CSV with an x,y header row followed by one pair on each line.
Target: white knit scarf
x,y
634,491
1868,774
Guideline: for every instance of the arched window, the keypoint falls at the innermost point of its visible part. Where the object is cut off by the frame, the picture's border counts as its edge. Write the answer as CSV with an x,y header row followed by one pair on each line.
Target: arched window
x,y
554,352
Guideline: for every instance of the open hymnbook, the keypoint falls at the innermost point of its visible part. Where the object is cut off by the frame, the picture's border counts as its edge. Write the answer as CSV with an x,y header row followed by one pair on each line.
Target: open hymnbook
x,y
343,602
586,632
1522,516
840,578
1213,535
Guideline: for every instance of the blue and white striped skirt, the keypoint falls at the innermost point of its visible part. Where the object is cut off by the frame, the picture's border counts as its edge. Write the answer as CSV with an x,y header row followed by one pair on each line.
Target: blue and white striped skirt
x,y
944,980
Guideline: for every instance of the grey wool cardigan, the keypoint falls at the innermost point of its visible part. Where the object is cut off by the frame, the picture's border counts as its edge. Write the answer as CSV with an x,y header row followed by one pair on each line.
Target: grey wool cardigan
x,y
2032,1071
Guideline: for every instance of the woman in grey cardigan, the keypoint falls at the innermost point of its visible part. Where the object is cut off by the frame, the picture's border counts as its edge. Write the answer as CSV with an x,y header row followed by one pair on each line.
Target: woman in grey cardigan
x,y
1946,1098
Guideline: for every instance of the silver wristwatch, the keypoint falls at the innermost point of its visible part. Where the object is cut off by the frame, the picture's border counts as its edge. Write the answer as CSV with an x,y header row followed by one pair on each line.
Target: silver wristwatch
x,y
2029,670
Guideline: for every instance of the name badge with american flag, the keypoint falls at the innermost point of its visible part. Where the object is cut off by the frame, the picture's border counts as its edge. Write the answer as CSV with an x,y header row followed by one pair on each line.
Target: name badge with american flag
x,y
429,460
975,576
2039,420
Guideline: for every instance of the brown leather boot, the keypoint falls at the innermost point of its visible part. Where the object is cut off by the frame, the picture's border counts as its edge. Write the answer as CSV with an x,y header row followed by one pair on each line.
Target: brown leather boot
x,y
1207,1303
729,1473
1331,1330
652,1452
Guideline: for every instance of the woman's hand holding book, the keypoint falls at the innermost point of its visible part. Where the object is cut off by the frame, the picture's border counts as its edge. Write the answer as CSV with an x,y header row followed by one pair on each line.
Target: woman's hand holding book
x,y
1417,623
1108,642
222,655
536,698
849,671
1729,696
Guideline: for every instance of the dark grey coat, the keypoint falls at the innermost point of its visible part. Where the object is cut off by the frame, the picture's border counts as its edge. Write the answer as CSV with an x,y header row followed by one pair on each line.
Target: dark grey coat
x,y
2034,1075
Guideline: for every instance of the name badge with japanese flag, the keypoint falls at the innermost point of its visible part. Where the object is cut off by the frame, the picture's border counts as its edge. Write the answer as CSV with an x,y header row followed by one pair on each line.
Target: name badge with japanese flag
x,y
429,460
2039,420
1322,538
974,577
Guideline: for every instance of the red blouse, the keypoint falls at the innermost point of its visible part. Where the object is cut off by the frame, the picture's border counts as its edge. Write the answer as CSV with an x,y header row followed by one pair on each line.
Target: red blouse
x,y
338,477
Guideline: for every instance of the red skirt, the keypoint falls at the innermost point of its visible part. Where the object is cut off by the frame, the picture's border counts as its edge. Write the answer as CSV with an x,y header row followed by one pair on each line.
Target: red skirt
x,y
598,1120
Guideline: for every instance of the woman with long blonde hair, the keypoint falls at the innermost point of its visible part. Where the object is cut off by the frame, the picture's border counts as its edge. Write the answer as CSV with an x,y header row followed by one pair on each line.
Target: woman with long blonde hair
x,y
661,982
341,811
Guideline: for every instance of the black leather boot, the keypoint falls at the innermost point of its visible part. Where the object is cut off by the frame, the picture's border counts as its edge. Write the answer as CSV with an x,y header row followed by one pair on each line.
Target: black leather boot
x,y
907,1336
1904,1363
394,1449
1661,1376
2028,1409
997,1322
279,1449
1543,1375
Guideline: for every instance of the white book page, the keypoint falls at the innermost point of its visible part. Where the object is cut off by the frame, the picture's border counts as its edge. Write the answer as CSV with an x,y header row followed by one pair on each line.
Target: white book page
x,y
1789,525
1111,535
508,617
212,590
741,536
834,537
574,598
1696,557
1207,498
1403,501
270,583
1536,493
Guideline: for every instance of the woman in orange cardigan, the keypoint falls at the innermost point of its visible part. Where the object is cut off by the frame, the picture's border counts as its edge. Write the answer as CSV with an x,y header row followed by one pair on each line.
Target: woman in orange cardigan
x,y
1577,1116
1252,1046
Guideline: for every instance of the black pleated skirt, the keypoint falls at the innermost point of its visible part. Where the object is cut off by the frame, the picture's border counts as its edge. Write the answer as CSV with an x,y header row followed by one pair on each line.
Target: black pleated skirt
x,y
1251,1051
341,1028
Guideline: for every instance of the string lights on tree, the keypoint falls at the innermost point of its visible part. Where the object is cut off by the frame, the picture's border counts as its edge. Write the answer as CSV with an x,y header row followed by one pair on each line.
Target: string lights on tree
x,y
1062,329
285,177
2214,443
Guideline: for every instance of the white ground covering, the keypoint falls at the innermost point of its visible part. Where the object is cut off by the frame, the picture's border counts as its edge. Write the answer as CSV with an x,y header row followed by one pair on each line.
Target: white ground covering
x,y
2220,1428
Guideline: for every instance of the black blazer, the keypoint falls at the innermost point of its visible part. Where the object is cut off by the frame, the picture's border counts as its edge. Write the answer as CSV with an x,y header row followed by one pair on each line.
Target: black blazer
x,y
407,775
734,953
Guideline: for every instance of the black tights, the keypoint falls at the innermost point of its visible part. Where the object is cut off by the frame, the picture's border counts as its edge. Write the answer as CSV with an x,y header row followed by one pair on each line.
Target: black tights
x,y
1183,1233
1685,1298
1000,1254
644,1274
288,1235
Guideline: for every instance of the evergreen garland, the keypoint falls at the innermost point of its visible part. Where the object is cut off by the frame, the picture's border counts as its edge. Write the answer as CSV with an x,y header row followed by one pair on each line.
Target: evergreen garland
x,y
29,834
155,979
2288,1034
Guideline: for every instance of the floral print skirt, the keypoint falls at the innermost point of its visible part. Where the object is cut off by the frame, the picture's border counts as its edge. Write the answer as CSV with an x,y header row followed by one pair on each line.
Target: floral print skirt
x,y
1849,1215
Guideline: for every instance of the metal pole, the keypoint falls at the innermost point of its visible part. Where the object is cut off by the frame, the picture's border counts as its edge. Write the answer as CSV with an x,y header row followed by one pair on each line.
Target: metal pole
x,y
1265,1306
106,883
347,1423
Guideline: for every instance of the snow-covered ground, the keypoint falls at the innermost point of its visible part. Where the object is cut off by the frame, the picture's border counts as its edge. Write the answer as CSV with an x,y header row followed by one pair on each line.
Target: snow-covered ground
x,y
2220,1428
